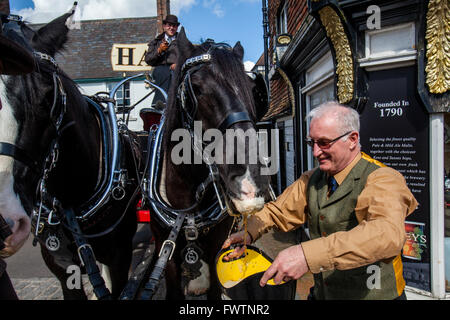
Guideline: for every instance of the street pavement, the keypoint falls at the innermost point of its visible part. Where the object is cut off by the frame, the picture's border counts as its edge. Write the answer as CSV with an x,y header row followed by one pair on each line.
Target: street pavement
x,y
33,281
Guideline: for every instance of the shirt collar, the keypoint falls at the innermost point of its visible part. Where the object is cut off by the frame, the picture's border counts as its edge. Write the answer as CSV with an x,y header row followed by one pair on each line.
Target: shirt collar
x,y
340,176
169,39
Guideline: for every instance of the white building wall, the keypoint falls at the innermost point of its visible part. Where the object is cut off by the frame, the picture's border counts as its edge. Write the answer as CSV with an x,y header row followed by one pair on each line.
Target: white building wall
x,y
90,89
138,90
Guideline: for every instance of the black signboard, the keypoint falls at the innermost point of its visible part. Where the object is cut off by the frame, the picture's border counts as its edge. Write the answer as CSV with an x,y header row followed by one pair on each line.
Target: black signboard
x,y
395,131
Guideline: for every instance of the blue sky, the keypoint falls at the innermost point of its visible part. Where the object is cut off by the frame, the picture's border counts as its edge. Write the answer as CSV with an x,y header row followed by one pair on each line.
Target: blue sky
x,y
222,20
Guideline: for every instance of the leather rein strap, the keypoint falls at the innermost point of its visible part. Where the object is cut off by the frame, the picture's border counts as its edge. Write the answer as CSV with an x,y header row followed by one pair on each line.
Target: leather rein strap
x,y
10,150
165,254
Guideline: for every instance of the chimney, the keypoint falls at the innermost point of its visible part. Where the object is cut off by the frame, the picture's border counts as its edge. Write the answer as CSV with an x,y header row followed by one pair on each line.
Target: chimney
x,y
4,6
163,9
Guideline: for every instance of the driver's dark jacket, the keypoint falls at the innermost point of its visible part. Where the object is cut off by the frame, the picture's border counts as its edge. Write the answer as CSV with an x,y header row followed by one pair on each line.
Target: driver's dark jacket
x,y
168,57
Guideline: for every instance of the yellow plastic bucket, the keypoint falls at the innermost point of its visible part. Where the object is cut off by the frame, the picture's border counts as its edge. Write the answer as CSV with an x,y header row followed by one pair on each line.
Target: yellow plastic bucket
x,y
239,278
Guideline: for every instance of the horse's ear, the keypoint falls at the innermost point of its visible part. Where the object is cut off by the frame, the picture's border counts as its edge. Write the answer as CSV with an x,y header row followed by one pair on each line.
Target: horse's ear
x,y
52,37
185,47
238,50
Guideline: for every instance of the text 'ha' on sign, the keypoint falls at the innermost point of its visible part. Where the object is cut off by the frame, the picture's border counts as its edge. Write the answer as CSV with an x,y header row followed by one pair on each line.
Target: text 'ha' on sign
x,y
129,57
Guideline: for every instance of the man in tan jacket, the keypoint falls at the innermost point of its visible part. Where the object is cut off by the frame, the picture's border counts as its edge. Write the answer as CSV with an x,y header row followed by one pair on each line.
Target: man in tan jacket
x,y
355,207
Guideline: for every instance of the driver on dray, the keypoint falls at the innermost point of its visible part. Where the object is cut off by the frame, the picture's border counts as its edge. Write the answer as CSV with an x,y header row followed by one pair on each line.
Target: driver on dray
x,y
13,61
162,54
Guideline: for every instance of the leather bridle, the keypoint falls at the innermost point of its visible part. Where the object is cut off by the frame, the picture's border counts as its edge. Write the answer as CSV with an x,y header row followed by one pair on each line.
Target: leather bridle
x,y
187,99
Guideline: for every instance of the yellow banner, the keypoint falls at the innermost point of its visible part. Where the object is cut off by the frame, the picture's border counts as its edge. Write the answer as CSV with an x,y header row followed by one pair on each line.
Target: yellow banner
x,y
129,57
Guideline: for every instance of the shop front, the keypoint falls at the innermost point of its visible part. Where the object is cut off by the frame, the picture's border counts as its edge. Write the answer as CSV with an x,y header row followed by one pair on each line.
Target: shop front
x,y
390,61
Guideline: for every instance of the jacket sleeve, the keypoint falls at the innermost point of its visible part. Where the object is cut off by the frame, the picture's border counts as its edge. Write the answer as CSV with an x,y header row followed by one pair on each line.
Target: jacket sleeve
x,y
381,209
286,213
152,57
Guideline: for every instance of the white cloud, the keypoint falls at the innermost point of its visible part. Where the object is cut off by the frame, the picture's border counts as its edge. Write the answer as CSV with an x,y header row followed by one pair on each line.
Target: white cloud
x,y
215,7
176,6
47,10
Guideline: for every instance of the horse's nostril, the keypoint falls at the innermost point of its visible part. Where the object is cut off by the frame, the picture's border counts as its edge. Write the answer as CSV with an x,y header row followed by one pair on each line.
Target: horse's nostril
x,y
248,190
10,222
247,195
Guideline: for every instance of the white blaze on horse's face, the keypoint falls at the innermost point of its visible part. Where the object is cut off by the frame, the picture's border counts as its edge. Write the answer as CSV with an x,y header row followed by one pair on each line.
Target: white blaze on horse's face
x,y
248,202
10,205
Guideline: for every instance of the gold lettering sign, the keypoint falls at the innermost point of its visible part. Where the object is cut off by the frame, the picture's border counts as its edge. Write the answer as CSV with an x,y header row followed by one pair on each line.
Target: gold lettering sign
x,y
129,57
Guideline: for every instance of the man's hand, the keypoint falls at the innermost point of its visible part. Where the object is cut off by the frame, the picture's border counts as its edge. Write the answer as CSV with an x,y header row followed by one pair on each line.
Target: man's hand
x,y
163,46
290,264
173,66
240,237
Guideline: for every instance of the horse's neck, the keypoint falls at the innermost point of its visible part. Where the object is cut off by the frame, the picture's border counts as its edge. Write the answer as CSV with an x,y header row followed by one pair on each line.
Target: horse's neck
x,y
80,159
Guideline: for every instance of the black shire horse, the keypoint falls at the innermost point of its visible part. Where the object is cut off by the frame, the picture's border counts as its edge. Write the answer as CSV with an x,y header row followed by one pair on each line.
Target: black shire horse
x,y
58,147
210,91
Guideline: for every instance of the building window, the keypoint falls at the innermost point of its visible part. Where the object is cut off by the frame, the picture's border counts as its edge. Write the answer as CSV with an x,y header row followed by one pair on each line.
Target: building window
x,y
282,19
319,88
122,96
391,47
286,174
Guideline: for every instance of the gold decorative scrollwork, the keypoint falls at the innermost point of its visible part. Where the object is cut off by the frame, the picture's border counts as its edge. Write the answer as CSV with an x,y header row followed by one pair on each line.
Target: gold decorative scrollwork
x,y
344,60
438,46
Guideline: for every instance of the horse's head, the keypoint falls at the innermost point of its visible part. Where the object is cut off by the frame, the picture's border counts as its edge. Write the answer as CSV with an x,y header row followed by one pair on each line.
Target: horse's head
x,y
212,87
26,124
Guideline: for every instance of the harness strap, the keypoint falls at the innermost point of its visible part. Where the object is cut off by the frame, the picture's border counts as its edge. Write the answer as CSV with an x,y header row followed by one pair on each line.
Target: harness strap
x,y
234,118
87,258
165,254
8,149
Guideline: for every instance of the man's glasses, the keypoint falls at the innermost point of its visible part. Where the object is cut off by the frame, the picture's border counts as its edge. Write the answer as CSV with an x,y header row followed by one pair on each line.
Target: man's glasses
x,y
324,143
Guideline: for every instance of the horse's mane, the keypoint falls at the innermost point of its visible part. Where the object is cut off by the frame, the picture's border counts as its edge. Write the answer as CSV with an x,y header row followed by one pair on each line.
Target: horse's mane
x,y
227,69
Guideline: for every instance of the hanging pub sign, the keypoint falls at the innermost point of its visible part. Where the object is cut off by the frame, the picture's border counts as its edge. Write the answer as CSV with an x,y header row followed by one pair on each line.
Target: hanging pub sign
x,y
395,131
129,57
